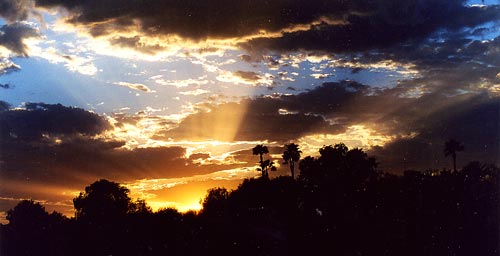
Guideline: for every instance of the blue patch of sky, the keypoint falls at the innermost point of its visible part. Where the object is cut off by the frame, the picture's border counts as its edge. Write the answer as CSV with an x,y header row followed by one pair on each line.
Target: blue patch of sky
x,y
482,2
42,81
486,31
491,29
375,77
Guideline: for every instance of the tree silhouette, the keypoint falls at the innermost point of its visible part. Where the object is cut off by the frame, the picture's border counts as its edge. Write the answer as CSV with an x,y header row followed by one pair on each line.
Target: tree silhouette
x,y
215,202
260,150
335,151
140,207
333,157
27,214
30,228
451,147
264,165
360,165
103,200
291,155
338,196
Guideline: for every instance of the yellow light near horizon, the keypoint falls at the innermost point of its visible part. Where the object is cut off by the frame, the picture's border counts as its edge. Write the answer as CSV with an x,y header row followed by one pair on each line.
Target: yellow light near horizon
x,y
181,207
186,193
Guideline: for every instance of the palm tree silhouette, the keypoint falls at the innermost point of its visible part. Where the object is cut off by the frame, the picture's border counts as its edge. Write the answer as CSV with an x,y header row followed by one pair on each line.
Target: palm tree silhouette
x,y
260,150
264,165
291,155
451,147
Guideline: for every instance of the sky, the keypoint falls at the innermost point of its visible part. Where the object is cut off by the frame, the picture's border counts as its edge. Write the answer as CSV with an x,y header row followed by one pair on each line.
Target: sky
x,y
169,97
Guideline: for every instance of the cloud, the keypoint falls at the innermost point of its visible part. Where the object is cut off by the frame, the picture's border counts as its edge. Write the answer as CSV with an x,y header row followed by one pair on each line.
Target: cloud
x,y
196,20
54,171
16,10
181,83
37,120
248,75
135,86
463,60
13,34
74,61
136,42
262,118
473,121
67,148
78,162
411,127
56,165
7,66
385,25
12,38
199,156
332,26
195,92
245,77
328,109
36,137
4,106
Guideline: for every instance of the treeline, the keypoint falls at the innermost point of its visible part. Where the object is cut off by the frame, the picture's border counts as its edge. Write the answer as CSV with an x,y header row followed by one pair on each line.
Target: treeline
x,y
338,205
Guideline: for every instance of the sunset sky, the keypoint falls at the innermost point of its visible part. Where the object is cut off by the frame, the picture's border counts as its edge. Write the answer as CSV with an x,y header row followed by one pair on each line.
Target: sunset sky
x,y
168,97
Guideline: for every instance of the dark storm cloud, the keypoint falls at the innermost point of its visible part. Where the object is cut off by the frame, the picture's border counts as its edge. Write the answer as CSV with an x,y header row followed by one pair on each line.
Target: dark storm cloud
x,y
38,119
16,10
324,99
450,63
454,57
12,36
475,123
199,19
29,140
388,24
453,74
347,25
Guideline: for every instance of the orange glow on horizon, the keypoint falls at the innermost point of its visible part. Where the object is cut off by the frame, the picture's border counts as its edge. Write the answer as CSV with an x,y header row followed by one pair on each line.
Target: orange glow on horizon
x,y
194,205
187,193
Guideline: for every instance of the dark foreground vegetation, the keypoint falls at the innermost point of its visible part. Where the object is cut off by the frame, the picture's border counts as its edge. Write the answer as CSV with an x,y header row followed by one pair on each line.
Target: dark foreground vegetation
x,y
338,205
